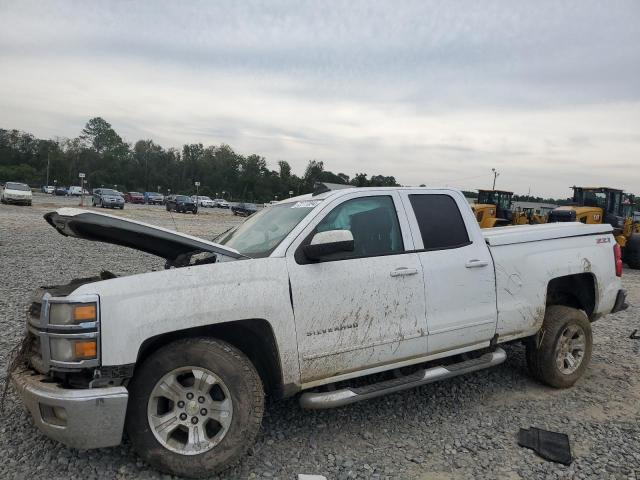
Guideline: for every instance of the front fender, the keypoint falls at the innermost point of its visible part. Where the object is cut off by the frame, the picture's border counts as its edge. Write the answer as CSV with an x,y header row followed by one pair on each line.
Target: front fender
x,y
139,307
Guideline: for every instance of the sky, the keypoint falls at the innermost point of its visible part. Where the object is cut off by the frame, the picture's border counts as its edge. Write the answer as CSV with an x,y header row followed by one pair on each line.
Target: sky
x,y
433,92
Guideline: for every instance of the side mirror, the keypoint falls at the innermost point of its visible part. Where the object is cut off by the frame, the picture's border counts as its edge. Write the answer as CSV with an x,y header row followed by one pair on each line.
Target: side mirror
x,y
326,243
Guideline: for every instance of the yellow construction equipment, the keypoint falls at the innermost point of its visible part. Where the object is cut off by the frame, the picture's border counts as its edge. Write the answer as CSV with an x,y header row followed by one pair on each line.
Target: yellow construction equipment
x,y
605,205
528,216
494,209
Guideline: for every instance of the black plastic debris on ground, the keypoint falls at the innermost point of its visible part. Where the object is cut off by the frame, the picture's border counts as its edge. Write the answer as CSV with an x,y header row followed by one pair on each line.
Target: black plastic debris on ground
x,y
551,446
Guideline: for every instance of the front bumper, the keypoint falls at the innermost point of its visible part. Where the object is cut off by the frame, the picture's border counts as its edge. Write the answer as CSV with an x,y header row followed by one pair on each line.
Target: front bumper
x,y
79,418
18,201
621,303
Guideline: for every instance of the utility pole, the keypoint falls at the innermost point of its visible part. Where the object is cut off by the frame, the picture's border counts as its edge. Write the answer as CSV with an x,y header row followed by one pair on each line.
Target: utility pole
x,y
496,174
81,175
48,159
197,197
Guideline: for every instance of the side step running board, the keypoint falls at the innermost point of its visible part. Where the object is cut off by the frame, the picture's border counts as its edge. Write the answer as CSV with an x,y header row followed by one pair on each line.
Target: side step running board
x,y
345,396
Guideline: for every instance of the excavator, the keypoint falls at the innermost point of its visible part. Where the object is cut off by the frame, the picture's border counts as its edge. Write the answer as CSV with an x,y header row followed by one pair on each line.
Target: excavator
x,y
605,205
493,209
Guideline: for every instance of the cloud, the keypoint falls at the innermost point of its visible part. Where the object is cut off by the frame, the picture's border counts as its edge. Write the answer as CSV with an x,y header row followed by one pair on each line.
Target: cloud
x,y
431,92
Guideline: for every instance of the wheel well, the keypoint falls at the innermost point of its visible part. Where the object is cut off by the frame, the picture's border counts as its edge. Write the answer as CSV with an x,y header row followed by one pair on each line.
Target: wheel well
x,y
578,291
254,338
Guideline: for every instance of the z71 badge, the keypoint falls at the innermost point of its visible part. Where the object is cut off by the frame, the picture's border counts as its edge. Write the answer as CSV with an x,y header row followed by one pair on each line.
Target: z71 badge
x,y
603,240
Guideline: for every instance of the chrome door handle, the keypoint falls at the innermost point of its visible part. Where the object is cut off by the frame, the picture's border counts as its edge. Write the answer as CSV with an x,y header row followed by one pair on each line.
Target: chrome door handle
x,y
403,271
475,263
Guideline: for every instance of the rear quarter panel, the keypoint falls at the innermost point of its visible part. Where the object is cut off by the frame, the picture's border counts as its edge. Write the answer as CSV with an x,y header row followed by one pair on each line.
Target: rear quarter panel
x,y
524,270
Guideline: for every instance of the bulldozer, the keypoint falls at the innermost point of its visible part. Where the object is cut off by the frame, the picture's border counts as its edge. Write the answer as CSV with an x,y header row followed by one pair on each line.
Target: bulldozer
x,y
605,205
494,209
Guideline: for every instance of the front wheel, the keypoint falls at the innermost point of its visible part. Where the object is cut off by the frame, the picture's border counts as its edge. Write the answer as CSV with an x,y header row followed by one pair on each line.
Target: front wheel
x,y
560,353
195,407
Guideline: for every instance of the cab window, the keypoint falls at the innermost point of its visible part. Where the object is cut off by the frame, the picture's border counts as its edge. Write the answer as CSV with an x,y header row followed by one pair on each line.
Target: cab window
x,y
440,222
372,221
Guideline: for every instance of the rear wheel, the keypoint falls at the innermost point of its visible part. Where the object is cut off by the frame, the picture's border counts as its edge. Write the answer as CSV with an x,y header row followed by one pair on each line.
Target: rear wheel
x,y
560,353
632,252
195,407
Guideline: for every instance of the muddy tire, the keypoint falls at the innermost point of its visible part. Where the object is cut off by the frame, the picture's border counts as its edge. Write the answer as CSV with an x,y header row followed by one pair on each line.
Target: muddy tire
x,y
632,252
559,355
195,407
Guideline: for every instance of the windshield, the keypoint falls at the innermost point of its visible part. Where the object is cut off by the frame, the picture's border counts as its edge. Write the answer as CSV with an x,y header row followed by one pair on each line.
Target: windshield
x,y
17,186
182,198
262,232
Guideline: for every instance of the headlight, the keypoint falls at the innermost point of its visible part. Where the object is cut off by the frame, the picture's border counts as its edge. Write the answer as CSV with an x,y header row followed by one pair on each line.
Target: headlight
x,y
72,350
72,313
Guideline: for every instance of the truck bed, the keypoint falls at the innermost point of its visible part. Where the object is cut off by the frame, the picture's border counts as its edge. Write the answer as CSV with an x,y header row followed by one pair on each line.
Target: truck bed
x,y
533,233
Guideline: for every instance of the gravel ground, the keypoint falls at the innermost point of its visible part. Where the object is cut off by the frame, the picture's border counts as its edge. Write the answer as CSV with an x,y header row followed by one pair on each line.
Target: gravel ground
x,y
461,428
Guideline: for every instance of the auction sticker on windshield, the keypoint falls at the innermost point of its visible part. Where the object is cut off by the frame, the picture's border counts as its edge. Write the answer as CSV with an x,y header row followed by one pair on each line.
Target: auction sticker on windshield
x,y
307,204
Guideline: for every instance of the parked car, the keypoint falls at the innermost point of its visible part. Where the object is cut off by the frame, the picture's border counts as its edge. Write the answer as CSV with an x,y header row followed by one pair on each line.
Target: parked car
x,y
60,191
244,209
397,282
48,189
220,203
272,202
17,193
153,198
203,201
134,197
106,197
75,191
181,204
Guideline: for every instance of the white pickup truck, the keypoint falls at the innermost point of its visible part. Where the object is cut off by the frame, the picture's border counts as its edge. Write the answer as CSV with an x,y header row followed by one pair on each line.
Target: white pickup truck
x,y
305,296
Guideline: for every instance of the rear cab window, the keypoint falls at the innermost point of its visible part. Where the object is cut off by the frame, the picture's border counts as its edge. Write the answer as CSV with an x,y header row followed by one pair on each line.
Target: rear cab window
x,y
439,221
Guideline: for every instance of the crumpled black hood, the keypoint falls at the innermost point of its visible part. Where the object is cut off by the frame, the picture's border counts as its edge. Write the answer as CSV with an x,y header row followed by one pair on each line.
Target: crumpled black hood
x,y
102,227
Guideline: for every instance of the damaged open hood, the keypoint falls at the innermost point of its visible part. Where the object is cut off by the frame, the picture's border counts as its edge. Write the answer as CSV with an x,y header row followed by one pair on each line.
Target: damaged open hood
x,y
102,227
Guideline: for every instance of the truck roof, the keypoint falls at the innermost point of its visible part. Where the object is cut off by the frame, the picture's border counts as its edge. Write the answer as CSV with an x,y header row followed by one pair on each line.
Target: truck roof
x,y
346,189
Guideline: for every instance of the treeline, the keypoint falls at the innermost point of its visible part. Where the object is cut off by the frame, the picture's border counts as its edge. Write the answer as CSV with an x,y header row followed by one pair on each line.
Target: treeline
x,y
107,160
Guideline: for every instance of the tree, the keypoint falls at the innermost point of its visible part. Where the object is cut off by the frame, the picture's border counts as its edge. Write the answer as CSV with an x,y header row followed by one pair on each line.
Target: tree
x,y
99,135
285,169
360,180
